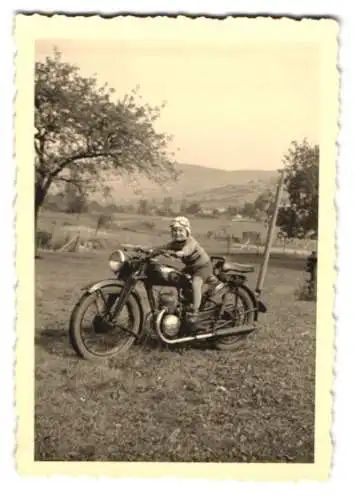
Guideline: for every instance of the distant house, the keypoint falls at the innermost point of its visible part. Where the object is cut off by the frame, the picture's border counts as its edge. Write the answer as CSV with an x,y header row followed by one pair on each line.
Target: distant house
x,y
220,211
206,212
242,218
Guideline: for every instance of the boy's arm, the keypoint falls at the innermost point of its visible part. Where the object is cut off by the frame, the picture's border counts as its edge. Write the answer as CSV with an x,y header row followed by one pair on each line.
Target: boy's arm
x,y
161,247
188,248
167,246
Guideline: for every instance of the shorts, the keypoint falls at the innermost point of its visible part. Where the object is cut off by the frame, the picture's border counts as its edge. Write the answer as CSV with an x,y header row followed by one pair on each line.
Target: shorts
x,y
204,272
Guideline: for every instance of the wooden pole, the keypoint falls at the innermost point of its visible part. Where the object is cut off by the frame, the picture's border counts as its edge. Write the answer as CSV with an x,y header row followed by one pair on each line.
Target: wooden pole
x,y
272,225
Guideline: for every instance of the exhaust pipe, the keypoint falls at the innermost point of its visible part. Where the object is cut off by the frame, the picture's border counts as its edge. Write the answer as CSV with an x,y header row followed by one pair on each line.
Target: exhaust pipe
x,y
235,330
220,333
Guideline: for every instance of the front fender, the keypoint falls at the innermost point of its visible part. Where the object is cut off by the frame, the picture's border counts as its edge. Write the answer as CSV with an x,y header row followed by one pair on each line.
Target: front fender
x,y
93,287
97,285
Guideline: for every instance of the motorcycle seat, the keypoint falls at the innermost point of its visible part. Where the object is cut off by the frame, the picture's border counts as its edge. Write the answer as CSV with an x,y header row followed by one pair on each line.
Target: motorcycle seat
x,y
239,268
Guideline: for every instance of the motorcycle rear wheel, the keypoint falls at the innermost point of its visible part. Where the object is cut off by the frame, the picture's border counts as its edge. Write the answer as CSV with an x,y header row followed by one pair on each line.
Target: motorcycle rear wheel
x,y
76,331
233,342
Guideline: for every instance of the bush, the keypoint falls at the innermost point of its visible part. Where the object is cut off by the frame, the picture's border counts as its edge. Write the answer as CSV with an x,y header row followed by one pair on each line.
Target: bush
x,y
306,292
139,227
60,240
103,221
46,241
76,201
95,244
43,239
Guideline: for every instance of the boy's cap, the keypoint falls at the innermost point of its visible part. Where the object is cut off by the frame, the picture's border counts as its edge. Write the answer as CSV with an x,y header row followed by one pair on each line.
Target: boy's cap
x,y
181,222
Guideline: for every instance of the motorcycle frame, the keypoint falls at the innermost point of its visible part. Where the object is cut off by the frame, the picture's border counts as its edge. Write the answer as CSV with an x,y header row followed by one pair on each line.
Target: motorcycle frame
x,y
140,275
128,287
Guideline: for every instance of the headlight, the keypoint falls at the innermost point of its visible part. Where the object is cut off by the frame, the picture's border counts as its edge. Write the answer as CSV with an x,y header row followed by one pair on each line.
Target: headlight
x,y
116,260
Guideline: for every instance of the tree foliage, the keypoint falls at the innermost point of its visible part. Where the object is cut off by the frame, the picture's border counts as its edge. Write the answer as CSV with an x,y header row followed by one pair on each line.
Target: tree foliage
x,y
75,201
193,208
80,129
144,207
301,180
264,206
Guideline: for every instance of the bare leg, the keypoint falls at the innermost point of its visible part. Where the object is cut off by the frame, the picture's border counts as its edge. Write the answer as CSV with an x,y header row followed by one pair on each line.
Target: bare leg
x,y
197,283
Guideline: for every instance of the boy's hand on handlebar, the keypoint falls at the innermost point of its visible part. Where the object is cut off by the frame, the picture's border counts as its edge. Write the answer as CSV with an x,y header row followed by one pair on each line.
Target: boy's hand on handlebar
x,y
165,253
171,253
155,252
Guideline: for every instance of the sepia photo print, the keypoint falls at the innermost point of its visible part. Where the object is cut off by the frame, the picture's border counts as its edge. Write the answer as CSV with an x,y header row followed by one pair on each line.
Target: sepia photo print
x,y
168,255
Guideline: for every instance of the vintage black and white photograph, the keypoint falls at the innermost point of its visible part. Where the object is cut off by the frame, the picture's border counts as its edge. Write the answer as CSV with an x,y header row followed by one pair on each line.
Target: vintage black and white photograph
x,y
178,197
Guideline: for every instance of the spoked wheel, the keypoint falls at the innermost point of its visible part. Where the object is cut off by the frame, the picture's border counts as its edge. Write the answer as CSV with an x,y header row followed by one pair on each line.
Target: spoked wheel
x,y
93,336
238,312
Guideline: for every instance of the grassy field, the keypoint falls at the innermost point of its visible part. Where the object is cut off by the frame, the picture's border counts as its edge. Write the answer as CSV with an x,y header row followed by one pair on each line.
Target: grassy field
x,y
133,223
156,404
152,230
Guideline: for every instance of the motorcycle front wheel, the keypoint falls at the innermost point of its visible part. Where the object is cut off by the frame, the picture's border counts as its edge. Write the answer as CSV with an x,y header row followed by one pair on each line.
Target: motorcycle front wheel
x,y
93,337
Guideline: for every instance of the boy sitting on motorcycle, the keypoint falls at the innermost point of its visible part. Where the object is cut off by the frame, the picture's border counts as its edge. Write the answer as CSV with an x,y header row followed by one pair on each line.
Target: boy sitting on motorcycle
x,y
197,262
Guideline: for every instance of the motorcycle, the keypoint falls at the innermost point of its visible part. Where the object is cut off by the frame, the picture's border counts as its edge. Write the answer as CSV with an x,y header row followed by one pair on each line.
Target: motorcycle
x,y
229,308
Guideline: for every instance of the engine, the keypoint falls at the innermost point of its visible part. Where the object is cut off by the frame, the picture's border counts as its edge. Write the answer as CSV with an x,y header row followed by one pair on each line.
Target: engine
x,y
169,323
168,301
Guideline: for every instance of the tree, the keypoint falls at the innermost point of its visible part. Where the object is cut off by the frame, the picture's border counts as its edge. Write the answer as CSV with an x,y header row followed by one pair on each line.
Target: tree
x,y
80,128
301,165
76,202
75,198
248,209
167,205
143,207
233,210
183,206
264,206
193,208
287,221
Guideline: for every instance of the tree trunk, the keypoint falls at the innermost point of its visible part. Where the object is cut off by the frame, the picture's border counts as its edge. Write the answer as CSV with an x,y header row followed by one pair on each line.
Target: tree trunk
x,y
42,185
38,202
41,189
39,198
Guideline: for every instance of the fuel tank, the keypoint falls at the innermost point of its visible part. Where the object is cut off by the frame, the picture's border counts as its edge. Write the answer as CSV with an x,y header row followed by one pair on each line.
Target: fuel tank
x,y
163,275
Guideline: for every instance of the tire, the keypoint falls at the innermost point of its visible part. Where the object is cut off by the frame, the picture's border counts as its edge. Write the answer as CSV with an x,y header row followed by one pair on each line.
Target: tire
x,y
75,328
233,342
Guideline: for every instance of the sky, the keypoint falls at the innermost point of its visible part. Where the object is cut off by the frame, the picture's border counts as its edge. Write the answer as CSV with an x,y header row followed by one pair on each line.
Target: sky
x,y
233,106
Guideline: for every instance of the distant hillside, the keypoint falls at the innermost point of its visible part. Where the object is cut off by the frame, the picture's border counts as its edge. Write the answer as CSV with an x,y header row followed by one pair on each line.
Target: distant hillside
x,y
209,186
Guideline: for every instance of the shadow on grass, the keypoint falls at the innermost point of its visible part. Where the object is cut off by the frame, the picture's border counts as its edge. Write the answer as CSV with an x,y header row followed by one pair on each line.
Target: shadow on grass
x,y
152,342
55,341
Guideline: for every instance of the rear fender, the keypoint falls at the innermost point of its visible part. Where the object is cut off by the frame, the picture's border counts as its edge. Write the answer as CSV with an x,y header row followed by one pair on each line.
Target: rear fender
x,y
257,303
238,278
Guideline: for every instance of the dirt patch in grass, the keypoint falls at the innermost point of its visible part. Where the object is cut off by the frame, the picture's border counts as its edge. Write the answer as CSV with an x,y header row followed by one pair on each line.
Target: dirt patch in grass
x,y
156,404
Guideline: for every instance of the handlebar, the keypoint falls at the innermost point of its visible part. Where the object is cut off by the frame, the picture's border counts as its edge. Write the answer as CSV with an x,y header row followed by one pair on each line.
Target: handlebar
x,y
151,252
128,246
